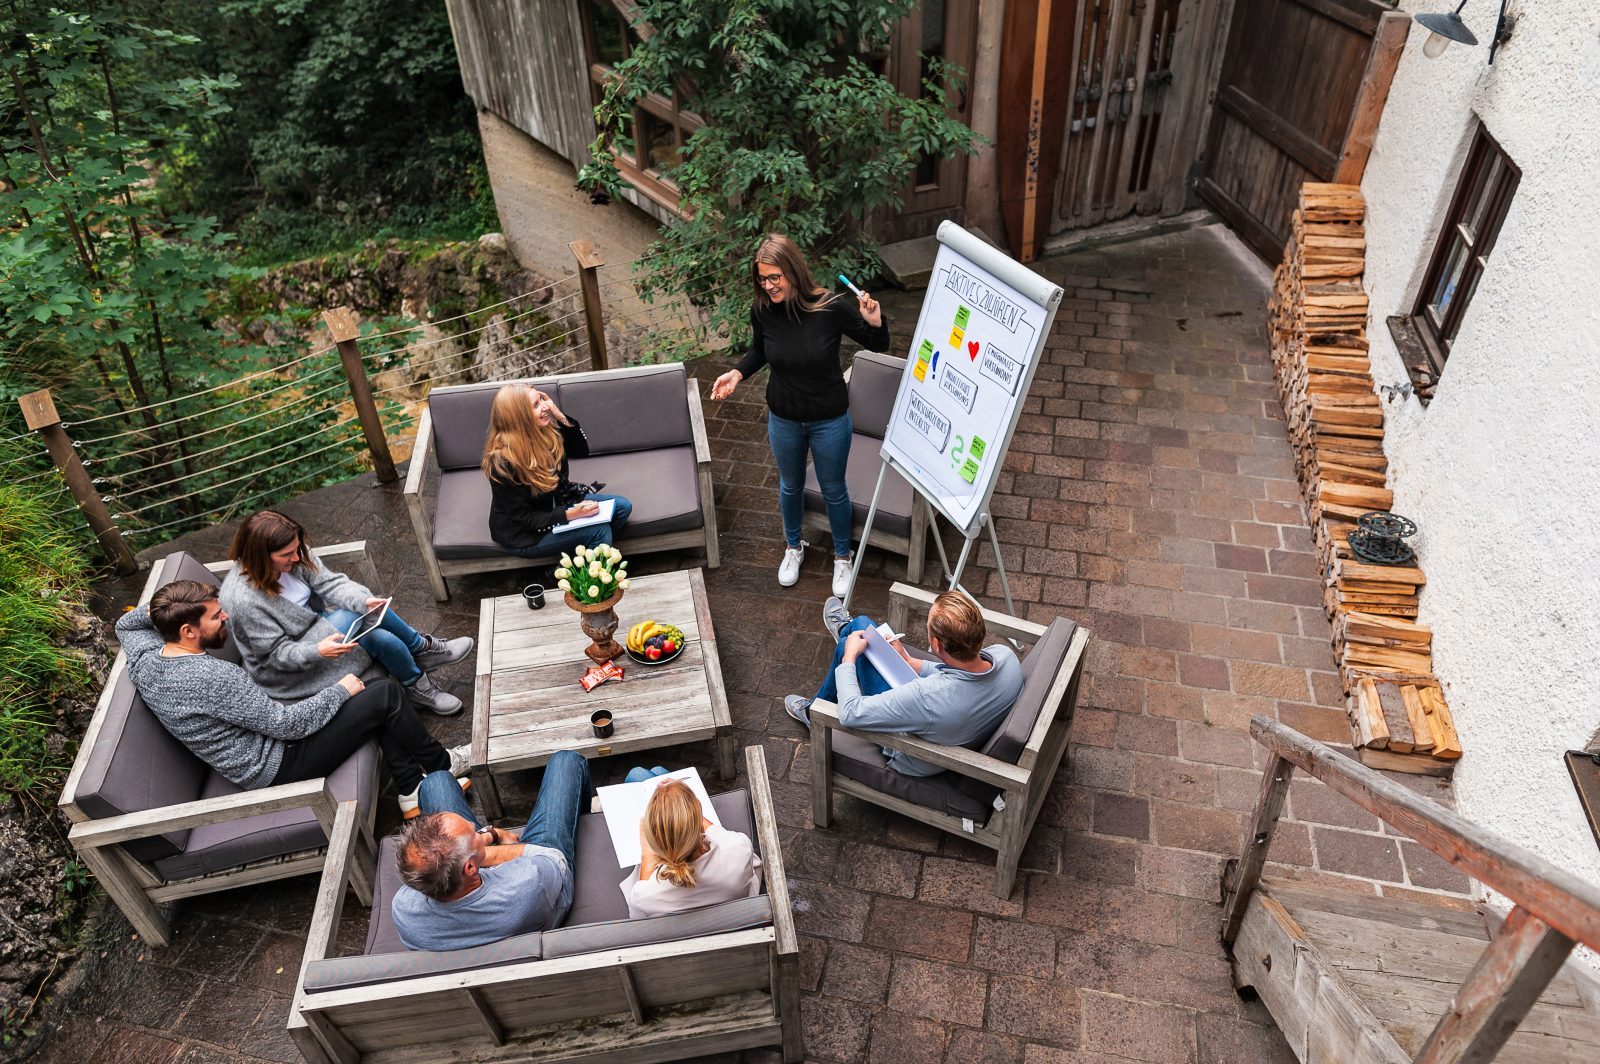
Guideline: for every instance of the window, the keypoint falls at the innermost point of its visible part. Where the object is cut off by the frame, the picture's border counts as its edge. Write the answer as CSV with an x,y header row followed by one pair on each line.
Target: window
x,y
654,136
1483,194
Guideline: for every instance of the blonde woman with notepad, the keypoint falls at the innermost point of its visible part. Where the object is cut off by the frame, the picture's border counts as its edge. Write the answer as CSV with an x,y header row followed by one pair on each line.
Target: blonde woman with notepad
x,y
687,861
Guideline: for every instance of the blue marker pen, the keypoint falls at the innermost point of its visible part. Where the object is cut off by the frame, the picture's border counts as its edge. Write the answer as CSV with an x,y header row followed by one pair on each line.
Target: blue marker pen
x,y
859,293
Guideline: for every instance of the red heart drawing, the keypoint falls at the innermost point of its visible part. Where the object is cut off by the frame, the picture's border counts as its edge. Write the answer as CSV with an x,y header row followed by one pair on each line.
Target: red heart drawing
x,y
972,350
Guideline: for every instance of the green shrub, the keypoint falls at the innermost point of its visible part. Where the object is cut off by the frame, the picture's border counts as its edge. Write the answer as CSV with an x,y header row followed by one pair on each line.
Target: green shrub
x,y
42,588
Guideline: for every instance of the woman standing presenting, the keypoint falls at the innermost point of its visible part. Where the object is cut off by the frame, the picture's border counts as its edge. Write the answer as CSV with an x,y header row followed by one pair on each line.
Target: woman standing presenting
x,y
525,459
797,325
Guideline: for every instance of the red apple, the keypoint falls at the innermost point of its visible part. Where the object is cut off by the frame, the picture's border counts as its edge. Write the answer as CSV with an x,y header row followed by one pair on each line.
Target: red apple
x,y
653,653
668,647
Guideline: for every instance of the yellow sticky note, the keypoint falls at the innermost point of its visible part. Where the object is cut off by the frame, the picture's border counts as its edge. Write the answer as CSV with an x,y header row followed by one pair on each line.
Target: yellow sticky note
x,y
956,336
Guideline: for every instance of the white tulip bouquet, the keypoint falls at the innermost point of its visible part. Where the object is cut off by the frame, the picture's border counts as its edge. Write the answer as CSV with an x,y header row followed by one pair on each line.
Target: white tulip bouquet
x,y
593,574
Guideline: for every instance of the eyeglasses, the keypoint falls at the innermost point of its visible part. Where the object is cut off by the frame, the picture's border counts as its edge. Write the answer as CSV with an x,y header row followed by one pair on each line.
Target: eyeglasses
x,y
769,280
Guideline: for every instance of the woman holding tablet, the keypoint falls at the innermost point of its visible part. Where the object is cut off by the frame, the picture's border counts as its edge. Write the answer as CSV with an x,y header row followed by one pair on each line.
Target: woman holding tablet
x,y
290,613
797,325
525,459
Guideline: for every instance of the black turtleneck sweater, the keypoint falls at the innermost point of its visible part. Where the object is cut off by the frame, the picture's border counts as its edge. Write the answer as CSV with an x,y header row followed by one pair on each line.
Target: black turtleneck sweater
x,y
802,350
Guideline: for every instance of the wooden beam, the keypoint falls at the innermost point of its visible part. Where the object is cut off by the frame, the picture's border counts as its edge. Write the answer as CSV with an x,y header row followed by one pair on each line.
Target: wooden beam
x,y
1551,894
1278,131
1503,986
1387,46
1269,804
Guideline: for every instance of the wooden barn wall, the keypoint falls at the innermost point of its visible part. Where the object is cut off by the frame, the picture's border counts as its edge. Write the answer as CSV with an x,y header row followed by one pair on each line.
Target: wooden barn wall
x,y
524,60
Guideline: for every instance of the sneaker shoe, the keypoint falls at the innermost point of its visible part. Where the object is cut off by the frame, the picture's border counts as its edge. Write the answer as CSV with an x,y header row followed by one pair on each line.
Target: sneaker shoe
x,y
798,707
835,616
789,571
409,807
425,694
842,575
460,760
437,653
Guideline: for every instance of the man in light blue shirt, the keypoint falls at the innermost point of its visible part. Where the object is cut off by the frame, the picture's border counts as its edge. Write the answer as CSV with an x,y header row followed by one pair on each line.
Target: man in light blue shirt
x,y
958,700
466,884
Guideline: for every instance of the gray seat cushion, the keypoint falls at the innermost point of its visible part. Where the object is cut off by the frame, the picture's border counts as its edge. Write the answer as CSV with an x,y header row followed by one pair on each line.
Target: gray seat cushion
x,y
597,892
460,417
386,959
663,485
639,411
857,759
216,847
135,764
861,476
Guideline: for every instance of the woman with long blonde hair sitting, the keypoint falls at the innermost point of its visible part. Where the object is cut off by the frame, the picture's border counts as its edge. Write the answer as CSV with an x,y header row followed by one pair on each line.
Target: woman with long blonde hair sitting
x,y
687,862
525,459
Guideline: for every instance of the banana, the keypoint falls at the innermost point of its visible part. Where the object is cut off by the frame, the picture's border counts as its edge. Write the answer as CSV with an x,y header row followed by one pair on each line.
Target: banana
x,y
636,637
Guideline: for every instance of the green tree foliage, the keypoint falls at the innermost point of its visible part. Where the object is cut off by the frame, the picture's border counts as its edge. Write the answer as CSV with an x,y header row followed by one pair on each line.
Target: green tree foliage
x,y
349,113
112,301
803,134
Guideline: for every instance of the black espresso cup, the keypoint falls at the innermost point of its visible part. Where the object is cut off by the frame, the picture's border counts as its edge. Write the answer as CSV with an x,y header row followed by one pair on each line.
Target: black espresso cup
x,y
533,595
601,719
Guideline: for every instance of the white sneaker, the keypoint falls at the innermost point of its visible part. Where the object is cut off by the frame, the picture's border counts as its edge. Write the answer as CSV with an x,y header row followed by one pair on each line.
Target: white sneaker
x,y
409,807
460,760
842,574
789,570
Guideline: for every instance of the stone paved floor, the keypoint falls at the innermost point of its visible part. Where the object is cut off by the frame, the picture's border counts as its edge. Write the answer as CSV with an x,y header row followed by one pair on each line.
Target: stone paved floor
x,y
1148,494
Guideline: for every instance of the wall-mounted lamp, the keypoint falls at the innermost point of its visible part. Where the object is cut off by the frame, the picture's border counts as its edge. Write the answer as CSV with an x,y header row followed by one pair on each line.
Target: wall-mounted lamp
x,y
1442,29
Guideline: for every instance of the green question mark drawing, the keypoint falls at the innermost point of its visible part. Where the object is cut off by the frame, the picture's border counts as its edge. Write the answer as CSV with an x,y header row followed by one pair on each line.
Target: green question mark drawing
x,y
957,453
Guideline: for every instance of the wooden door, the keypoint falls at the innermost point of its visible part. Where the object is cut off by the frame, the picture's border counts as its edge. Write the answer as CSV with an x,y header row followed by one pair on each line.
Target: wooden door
x,y
1101,103
1301,88
942,29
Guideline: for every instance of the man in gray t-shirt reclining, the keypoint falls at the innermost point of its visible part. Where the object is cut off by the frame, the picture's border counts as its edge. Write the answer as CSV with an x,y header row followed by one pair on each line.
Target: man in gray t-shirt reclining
x,y
466,884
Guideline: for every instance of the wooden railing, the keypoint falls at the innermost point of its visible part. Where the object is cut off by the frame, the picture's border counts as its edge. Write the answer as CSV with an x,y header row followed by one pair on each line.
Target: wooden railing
x,y
1553,909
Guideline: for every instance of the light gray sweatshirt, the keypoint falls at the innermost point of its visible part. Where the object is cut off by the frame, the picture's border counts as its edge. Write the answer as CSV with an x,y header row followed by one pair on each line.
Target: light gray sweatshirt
x,y
278,639
211,706
947,706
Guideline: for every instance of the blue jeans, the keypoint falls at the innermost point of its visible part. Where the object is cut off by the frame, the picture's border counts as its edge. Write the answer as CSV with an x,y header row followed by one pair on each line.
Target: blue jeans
x,y
829,442
867,676
563,794
391,645
640,774
556,543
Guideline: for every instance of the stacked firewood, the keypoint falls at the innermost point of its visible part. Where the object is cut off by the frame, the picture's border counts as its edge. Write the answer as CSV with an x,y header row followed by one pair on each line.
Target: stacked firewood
x,y
1318,322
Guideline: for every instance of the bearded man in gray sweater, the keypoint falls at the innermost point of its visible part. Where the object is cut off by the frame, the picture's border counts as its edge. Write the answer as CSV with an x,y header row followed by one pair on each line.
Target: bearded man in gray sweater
x,y
215,709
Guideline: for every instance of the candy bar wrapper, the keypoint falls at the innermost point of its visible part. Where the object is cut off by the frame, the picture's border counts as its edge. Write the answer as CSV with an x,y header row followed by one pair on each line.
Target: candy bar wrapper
x,y
612,670
593,677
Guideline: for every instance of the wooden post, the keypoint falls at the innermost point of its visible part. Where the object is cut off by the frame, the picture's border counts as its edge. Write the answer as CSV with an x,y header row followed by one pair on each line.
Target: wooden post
x,y
589,261
342,324
1274,789
39,411
1387,44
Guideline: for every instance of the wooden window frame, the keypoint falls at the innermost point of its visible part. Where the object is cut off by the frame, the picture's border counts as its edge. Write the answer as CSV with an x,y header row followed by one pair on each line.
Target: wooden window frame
x,y
670,112
1436,337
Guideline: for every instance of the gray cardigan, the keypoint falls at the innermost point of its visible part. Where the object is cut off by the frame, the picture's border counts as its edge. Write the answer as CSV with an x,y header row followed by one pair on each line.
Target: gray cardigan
x,y
278,640
211,706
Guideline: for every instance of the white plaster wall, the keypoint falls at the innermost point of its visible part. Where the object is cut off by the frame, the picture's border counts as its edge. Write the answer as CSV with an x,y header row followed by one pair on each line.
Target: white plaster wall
x,y
1502,471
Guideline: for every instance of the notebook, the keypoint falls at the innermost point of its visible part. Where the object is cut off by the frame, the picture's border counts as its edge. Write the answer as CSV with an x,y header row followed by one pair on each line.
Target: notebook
x,y
623,805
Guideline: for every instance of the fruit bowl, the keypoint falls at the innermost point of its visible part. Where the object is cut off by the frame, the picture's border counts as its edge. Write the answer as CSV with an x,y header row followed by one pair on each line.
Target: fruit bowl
x,y
653,642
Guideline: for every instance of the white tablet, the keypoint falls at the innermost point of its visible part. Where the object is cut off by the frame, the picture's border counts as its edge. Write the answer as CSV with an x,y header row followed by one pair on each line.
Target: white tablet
x,y
368,622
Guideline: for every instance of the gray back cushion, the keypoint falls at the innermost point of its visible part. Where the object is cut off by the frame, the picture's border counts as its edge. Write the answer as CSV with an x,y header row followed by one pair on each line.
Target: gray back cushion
x,y
460,418
874,380
135,764
1039,668
617,934
636,411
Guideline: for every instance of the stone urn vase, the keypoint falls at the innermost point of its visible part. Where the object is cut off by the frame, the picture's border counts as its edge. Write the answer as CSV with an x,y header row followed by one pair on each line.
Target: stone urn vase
x,y
599,623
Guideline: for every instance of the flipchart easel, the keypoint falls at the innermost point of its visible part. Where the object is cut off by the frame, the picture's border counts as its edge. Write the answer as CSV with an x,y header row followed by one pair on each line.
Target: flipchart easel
x,y
986,316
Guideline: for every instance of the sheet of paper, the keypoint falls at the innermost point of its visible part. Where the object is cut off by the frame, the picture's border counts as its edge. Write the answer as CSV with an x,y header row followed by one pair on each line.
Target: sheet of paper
x,y
623,805
607,508
883,657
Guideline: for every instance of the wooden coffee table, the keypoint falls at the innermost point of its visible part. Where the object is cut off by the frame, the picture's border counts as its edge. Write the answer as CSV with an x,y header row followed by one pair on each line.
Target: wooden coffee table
x,y
528,702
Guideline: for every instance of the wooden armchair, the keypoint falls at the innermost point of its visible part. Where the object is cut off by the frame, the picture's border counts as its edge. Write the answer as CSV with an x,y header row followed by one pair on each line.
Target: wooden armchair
x,y
991,795
155,824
